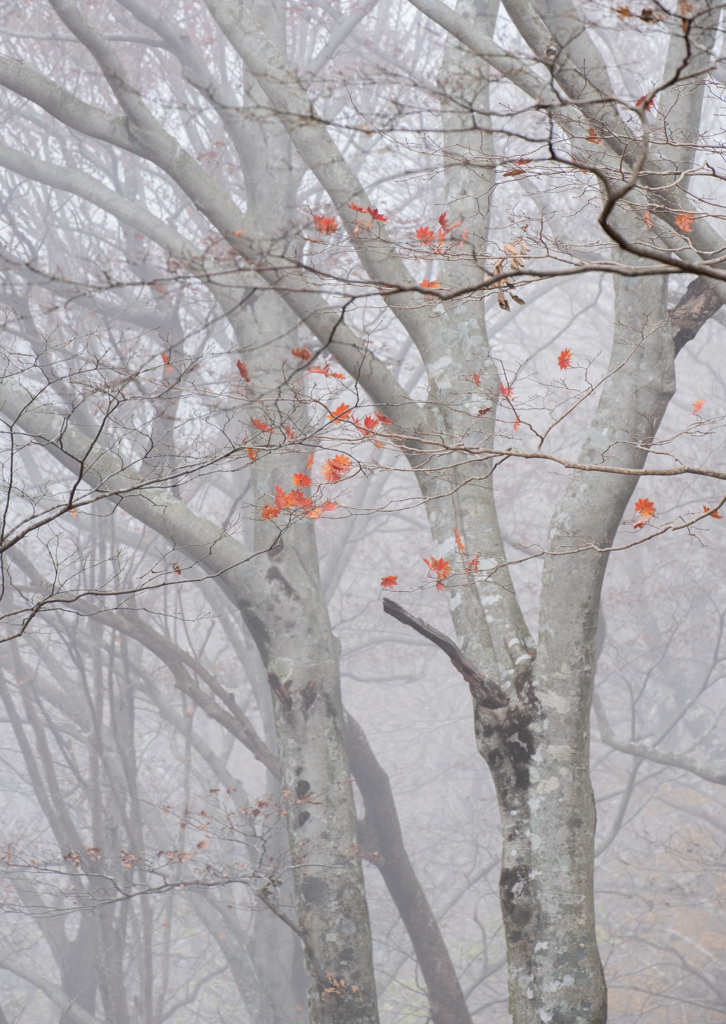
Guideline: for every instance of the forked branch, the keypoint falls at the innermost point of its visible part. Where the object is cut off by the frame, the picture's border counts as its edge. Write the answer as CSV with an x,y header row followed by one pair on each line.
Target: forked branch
x,y
483,690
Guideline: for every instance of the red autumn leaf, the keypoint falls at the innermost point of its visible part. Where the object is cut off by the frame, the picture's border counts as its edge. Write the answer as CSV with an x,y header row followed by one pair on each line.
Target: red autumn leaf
x,y
389,582
684,222
325,371
593,137
243,372
384,419
309,463
697,406
424,235
270,512
375,214
715,514
369,423
473,565
430,284
648,219
564,359
177,570
443,222
289,432
513,173
252,454
477,379
358,209
165,359
325,225
645,508
335,469
506,391
301,480
341,413
641,101
261,425
459,541
302,353
327,506
517,423
439,566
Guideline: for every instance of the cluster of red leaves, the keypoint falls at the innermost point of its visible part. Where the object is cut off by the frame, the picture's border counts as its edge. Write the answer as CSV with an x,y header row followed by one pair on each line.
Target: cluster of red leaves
x,y
697,406
325,225
564,359
336,468
426,236
290,501
646,510
430,284
371,211
440,569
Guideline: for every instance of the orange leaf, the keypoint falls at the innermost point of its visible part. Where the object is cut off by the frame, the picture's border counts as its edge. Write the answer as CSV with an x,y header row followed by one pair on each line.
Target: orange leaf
x,y
517,423
697,406
645,508
252,454
341,413
389,582
648,219
459,541
684,222
506,391
513,173
439,567
176,569
302,353
593,137
261,425
301,480
327,506
564,359
243,371
384,419
335,469
430,284
270,512
359,209
477,379
715,514
325,225
424,235
165,359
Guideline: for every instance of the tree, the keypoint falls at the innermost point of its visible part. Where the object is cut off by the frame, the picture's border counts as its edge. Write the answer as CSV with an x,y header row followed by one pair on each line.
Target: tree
x,y
147,143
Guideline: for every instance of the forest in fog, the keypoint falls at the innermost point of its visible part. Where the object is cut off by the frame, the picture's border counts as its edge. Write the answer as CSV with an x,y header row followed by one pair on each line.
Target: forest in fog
x,y
362,512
